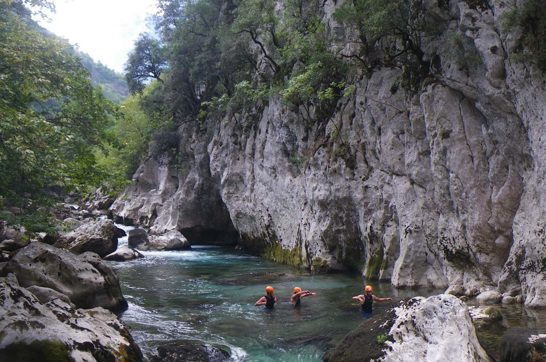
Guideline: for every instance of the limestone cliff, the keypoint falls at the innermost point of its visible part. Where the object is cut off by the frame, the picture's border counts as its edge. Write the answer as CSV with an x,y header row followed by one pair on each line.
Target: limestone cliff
x,y
442,187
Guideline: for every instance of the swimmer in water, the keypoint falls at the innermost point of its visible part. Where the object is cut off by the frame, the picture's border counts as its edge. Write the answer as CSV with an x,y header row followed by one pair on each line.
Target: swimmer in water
x,y
269,299
295,299
366,301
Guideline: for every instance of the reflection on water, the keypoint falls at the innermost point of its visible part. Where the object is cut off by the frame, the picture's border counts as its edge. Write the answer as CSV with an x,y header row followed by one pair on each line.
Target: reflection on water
x,y
208,294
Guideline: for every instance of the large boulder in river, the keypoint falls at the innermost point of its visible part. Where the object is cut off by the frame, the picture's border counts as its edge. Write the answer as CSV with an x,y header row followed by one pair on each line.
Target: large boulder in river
x,y
85,279
171,240
99,236
56,331
124,253
437,328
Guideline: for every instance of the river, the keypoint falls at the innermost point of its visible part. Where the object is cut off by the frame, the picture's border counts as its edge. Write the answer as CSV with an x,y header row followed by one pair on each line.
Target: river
x,y
208,294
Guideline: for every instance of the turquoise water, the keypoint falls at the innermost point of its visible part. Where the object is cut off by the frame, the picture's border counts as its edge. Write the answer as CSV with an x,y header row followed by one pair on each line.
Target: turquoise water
x,y
208,294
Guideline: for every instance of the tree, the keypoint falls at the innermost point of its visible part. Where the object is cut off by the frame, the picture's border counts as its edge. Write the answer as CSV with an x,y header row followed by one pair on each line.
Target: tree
x,y
51,116
146,61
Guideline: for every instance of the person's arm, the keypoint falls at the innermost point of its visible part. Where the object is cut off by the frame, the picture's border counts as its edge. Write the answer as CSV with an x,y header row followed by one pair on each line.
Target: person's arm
x,y
261,301
359,298
307,293
378,299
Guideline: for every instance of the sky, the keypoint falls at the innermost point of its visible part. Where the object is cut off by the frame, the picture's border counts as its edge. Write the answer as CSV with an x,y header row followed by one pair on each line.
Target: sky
x,y
104,29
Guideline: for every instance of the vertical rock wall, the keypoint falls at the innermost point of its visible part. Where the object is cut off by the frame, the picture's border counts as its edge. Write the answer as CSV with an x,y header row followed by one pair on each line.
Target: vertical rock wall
x,y
442,188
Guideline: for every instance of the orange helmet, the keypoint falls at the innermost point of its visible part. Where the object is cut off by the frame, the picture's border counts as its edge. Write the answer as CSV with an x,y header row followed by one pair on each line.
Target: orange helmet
x,y
297,290
368,288
269,289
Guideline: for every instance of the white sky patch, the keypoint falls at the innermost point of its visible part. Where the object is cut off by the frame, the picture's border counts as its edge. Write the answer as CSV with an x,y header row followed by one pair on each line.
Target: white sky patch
x,y
104,29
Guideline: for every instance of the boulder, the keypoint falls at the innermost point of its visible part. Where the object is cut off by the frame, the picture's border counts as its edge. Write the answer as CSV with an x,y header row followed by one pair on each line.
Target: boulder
x,y
15,233
85,279
137,237
56,331
437,328
489,297
171,240
45,295
190,351
523,345
99,236
124,253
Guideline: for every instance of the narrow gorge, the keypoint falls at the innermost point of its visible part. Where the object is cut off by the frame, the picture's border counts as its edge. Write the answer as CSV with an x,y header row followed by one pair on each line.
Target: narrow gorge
x,y
438,186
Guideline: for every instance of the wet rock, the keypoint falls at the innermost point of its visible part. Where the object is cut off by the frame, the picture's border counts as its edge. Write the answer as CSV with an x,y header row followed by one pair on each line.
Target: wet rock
x,y
56,331
137,237
99,236
171,240
85,279
489,297
523,345
190,351
123,253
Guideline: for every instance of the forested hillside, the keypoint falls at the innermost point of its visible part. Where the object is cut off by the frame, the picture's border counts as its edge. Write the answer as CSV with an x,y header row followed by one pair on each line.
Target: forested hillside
x,y
112,84
59,132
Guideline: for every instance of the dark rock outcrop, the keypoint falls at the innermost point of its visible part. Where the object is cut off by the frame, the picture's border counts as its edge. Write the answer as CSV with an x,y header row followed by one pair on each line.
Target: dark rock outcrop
x,y
190,351
85,279
523,345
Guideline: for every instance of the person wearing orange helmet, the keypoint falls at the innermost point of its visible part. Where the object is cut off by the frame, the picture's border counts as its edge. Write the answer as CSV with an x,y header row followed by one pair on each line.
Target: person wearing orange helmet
x,y
366,301
268,299
295,299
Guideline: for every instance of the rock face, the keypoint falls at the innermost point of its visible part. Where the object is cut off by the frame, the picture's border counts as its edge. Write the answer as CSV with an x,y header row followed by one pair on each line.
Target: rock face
x,y
56,331
85,279
98,236
441,188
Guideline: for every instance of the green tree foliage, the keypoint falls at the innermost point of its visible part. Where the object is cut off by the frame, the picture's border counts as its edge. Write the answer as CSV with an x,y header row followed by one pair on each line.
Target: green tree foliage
x,y
146,61
392,33
51,115
530,17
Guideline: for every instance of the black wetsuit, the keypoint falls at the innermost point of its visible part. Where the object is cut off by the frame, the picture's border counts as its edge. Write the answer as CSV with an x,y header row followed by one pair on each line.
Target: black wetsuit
x,y
298,302
367,305
270,301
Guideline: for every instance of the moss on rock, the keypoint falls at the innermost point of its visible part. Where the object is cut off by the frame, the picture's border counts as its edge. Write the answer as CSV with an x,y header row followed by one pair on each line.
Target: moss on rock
x,y
278,254
37,351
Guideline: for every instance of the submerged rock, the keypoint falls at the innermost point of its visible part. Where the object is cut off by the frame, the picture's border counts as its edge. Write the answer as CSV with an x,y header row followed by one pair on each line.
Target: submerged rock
x,y
523,345
124,253
85,279
56,331
190,351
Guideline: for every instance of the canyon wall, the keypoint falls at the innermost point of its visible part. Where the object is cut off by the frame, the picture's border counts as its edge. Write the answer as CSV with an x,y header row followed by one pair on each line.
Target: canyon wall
x,y
441,187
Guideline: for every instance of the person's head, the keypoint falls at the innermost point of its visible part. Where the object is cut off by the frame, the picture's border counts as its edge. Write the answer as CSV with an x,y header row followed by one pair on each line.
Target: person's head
x,y
297,290
269,290
368,289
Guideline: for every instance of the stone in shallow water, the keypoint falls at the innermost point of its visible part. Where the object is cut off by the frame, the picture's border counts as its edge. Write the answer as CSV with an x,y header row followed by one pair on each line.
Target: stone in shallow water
x,y
124,253
190,351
